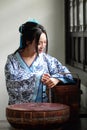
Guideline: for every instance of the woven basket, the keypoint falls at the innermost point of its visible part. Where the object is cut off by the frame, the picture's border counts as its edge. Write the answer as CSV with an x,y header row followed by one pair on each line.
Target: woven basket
x,y
33,115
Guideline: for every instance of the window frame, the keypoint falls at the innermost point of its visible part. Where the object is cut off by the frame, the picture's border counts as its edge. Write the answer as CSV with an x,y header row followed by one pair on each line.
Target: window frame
x,y
76,42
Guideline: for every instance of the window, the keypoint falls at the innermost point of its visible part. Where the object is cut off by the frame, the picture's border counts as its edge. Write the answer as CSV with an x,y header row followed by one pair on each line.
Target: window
x,y
76,36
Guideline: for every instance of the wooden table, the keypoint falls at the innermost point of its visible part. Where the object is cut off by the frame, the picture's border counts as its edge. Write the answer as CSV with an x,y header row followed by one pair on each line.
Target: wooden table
x,y
80,125
4,125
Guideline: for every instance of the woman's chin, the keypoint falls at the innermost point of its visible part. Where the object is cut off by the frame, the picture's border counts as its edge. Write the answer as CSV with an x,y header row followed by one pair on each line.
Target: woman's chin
x,y
40,51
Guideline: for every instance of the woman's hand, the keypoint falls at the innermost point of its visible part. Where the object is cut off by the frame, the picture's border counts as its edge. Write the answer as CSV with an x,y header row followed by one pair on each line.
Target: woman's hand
x,y
49,81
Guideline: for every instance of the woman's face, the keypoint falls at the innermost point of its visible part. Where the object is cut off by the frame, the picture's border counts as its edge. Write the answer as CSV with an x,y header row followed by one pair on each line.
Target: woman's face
x,y
42,43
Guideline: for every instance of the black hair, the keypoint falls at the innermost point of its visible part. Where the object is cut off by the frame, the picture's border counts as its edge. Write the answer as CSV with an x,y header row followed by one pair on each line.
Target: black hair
x,y
31,31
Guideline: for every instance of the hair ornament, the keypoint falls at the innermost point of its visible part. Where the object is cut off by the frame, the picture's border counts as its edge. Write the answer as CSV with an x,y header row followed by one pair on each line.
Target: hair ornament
x,y
33,20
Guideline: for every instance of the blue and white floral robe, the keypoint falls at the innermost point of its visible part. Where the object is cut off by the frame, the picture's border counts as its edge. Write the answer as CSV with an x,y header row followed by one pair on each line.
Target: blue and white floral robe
x,y
23,82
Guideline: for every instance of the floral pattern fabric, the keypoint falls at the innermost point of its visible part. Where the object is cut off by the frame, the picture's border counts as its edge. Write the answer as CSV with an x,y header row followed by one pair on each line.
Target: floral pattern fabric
x,y
23,82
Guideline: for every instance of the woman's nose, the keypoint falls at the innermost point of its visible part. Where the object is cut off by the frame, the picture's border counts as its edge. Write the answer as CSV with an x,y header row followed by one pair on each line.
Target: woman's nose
x,y
41,45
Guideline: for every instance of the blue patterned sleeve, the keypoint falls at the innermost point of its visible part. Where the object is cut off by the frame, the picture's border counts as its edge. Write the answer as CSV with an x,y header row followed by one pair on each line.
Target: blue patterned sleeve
x,y
9,70
20,86
57,70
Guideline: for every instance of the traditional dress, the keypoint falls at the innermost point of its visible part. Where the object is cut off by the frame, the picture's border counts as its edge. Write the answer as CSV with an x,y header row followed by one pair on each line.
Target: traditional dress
x,y
23,82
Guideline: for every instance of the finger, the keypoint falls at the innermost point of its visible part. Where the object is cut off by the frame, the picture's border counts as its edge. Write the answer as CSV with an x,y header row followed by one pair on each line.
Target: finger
x,y
46,75
49,83
45,78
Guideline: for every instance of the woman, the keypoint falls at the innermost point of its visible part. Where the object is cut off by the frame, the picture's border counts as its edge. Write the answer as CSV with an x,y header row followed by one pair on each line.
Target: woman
x,y
29,70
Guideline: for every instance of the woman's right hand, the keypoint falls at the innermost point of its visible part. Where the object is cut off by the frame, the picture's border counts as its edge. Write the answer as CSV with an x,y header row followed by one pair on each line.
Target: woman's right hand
x,y
45,78
49,81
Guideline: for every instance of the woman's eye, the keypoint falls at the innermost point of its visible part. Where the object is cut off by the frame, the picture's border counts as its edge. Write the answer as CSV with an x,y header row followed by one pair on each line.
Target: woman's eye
x,y
39,43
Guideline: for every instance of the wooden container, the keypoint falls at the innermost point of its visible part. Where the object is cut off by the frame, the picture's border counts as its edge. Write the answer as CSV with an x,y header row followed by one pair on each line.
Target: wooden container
x,y
33,115
68,94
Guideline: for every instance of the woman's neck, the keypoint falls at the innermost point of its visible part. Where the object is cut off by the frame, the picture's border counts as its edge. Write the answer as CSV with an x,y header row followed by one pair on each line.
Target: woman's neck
x,y
28,52
28,56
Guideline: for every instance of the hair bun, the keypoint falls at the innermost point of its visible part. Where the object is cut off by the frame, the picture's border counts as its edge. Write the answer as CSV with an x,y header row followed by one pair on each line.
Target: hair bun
x,y
27,27
21,28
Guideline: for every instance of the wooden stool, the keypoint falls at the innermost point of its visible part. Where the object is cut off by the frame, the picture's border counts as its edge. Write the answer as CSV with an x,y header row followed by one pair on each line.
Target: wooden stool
x,y
68,94
33,115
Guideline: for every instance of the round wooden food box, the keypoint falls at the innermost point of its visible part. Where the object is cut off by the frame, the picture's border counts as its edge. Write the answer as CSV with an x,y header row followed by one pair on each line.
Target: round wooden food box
x,y
29,115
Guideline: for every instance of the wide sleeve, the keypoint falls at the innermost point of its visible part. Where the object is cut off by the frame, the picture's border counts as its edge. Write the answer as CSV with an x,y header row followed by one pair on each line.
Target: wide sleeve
x,y
10,71
57,70
20,85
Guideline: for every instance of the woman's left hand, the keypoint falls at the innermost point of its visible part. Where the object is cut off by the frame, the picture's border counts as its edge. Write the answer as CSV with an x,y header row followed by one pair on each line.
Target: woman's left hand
x,y
49,81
